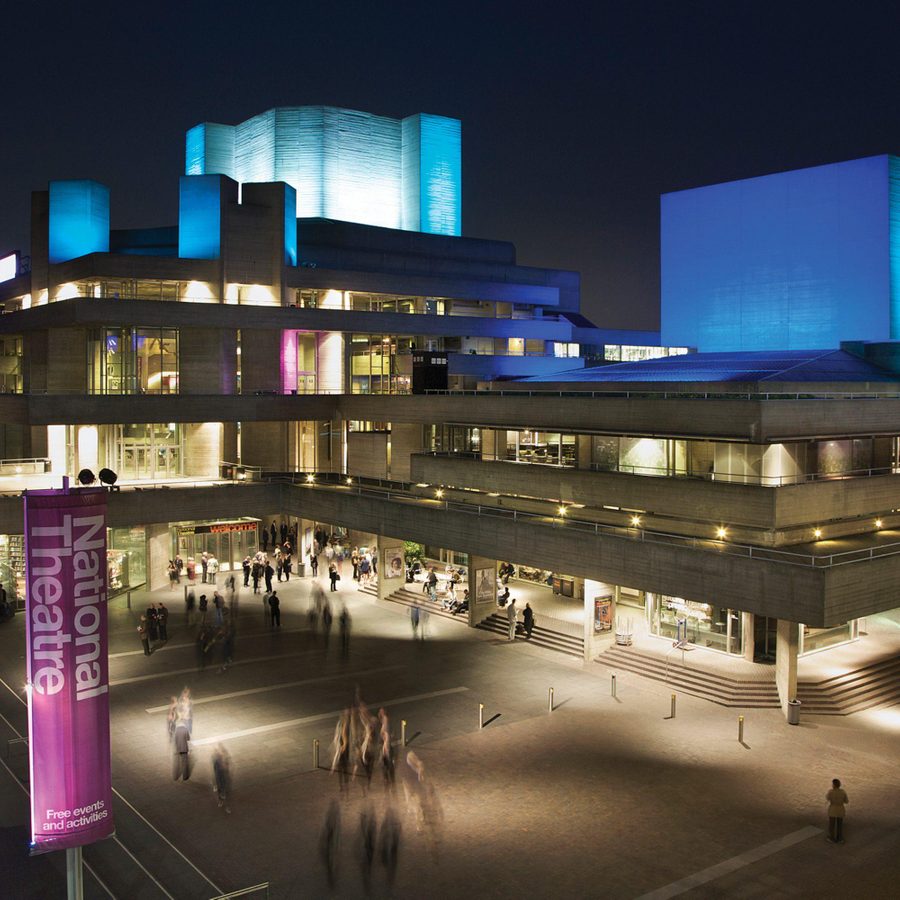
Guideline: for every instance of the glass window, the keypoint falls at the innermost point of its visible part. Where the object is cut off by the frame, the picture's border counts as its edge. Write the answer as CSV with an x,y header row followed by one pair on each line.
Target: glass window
x,y
11,364
702,624
133,361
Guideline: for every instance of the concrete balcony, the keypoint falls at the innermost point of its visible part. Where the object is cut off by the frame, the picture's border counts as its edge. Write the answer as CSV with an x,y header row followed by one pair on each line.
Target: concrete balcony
x,y
819,585
783,515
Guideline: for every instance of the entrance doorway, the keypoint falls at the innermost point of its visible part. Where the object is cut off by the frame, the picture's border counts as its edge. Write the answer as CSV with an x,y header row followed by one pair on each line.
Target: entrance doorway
x,y
765,634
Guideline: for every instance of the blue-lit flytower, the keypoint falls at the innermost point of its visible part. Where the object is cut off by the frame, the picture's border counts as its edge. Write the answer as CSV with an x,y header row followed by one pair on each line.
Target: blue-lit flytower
x,y
796,260
79,219
200,216
344,164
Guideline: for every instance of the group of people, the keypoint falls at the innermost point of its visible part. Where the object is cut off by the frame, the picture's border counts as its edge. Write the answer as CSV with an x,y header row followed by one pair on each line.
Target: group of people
x,y
271,535
153,627
526,626
209,569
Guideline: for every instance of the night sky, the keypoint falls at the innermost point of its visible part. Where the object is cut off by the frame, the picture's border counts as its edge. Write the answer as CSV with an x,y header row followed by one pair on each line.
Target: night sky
x,y
575,116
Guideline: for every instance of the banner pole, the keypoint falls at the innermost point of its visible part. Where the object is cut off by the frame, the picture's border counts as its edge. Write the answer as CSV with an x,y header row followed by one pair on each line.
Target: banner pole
x,y
74,875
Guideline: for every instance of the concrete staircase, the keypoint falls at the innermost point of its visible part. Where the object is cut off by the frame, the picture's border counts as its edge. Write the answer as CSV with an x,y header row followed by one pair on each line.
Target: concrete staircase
x,y
877,684
409,595
714,687
540,637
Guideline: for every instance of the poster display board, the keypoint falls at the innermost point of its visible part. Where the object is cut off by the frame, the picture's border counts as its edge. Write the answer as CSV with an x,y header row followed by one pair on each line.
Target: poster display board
x,y
394,566
603,614
68,669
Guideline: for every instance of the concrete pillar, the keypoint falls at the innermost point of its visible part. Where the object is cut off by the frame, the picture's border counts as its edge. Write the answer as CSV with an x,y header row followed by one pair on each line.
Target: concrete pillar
x,y
264,444
599,630
67,360
747,636
482,588
208,360
203,449
159,552
583,451
260,360
786,648
390,578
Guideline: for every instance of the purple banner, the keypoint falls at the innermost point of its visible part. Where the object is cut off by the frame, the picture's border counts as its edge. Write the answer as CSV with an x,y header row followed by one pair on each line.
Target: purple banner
x,y
68,668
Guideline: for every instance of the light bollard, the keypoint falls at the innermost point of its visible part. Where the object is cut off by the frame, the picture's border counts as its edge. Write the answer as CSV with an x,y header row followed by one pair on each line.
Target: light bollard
x,y
550,700
315,753
480,716
672,715
741,729
613,686
403,732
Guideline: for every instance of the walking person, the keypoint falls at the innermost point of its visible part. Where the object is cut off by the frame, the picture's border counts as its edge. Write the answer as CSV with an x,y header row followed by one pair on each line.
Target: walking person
x,y
344,622
143,635
327,619
162,617
268,572
246,566
414,614
528,621
275,606
837,801
222,775
172,717
313,563
204,566
202,606
212,569
279,564
511,619
190,604
333,575
288,565
181,763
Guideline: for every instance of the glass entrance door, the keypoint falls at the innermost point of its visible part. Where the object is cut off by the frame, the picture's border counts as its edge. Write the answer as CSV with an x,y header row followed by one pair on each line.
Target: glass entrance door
x,y
765,632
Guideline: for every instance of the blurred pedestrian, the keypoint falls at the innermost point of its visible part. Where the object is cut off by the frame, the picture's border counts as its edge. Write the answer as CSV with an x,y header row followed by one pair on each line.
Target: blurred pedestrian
x,y
837,801
222,775
387,748
202,606
190,603
162,616
344,622
414,615
366,844
330,841
389,841
172,717
181,764
327,619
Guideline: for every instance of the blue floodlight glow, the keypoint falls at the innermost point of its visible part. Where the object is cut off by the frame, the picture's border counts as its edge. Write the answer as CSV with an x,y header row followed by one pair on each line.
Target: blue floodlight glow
x,y
199,216
79,219
344,164
795,260
432,174
290,226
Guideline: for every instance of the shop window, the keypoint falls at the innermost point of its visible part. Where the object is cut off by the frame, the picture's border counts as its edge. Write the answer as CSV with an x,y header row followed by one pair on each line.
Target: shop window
x,y
813,639
11,364
702,624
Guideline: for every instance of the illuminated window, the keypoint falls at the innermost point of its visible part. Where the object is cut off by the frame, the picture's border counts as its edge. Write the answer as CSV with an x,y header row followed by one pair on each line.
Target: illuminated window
x,y
133,361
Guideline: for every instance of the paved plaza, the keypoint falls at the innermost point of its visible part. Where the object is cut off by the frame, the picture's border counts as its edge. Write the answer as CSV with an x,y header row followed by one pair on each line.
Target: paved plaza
x,y
603,797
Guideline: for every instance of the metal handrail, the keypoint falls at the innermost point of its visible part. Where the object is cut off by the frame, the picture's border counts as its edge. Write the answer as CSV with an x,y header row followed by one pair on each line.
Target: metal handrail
x,y
651,471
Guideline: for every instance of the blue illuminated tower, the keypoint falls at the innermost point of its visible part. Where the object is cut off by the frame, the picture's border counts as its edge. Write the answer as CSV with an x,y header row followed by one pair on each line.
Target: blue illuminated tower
x,y
344,164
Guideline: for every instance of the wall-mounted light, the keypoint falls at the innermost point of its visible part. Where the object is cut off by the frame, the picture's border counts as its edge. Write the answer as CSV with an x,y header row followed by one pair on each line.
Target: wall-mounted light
x,y
817,533
310,478
879,523
561,510
721,532
635,520
349,481
439,493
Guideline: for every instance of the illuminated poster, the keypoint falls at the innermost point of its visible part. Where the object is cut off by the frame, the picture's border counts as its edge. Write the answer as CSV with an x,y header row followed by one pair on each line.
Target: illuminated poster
x,y
68,670
602,614
394,567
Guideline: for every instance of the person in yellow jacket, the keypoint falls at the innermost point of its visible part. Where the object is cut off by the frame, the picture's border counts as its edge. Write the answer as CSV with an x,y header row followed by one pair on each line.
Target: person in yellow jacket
x,y
837,800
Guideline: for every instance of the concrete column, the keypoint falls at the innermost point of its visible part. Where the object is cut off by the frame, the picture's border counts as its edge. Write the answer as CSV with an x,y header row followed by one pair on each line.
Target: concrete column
x,y
203,449
747,635
786,648
159,552
67,360
482,588
583,451
390,579
260,360
208,360
264,444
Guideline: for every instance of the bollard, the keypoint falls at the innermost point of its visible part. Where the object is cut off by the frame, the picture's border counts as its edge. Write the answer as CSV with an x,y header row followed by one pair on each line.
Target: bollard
x,y
741,729
316,753
673,707
480,716
550,700
613,687
403,732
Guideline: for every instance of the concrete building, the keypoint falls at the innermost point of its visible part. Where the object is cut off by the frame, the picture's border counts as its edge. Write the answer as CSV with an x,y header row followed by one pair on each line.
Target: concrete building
x,y
391,384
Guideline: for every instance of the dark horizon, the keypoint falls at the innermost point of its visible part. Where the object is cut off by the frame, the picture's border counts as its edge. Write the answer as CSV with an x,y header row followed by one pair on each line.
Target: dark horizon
x,y
572,125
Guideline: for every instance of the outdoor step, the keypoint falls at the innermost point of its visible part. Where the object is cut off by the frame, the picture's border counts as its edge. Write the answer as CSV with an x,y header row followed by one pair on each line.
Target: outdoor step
x,y
723,691
540,637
